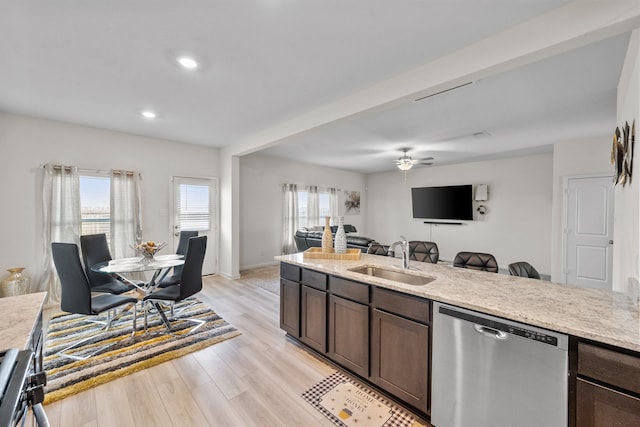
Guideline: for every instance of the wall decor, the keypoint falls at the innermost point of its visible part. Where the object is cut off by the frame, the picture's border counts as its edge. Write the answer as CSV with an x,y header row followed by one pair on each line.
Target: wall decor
x,y
624,142
351,202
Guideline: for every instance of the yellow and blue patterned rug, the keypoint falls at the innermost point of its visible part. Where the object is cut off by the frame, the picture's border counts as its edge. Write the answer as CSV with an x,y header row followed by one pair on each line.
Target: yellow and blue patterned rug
x,y
116,353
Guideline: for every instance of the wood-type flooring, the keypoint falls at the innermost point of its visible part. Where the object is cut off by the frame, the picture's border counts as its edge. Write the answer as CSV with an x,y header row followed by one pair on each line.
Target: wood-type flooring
x,y
255,379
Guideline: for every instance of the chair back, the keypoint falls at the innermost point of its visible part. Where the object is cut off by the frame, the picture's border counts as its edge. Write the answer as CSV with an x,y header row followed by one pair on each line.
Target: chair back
x,y
476,261
191,278
523,269
424,251
76,293
95,249
378,249
183,244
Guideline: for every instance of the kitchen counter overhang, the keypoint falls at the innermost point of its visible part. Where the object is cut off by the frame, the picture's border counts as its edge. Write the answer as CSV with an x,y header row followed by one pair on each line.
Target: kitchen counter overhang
x,y
606,317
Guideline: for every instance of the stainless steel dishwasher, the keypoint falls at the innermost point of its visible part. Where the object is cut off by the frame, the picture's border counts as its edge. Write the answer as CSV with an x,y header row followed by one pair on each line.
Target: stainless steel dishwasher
x,y
491,372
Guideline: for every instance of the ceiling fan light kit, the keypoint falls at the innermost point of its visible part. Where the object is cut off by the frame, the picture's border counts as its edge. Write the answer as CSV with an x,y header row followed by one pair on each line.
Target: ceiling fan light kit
x,y
405,162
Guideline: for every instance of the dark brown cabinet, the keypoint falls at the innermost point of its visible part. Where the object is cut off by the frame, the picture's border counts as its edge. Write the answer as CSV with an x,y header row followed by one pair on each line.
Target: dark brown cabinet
x,y
290,299
400,346
349,334
400,358
313,321
381,335
290,307
607,387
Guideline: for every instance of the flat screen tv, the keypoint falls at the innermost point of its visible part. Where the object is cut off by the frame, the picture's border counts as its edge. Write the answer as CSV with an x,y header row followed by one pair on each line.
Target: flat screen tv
x,y
452,202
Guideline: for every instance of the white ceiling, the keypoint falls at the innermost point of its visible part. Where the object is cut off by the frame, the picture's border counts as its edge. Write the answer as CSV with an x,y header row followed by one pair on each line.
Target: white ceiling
x,y
267,62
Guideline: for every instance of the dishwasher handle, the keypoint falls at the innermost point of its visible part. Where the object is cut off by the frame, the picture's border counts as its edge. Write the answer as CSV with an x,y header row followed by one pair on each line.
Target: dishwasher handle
x,y
490,332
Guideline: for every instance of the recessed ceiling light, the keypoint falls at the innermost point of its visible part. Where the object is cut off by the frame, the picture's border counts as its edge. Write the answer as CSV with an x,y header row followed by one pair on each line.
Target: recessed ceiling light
x,y
147,114
187,62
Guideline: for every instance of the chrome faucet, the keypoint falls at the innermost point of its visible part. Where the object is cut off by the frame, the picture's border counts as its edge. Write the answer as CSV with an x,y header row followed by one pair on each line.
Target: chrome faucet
x,y
404,244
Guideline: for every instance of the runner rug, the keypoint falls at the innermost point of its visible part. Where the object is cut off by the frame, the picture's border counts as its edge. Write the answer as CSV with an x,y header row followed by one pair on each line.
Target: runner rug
x,y
346,402
116,353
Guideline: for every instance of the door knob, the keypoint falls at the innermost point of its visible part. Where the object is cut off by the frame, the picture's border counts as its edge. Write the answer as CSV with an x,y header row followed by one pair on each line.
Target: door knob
x,y
611,242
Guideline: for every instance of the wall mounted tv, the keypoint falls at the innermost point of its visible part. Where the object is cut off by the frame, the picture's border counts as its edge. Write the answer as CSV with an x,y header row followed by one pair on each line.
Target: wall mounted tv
x,y
450,202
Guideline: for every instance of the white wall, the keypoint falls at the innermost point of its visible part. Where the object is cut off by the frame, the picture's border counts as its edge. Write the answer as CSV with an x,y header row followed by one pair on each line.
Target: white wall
x,y
261,179
26,143
516,227
627,199
574,158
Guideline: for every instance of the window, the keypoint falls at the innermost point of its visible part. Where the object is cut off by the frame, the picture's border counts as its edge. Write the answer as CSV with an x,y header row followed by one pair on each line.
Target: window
x,y
323,207
193,202
95,205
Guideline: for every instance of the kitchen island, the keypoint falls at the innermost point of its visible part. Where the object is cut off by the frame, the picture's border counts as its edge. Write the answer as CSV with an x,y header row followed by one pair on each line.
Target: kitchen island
x,y
603,327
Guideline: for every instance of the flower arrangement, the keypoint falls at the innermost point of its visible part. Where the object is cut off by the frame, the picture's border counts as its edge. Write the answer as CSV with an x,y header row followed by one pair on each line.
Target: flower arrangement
x,y
150,248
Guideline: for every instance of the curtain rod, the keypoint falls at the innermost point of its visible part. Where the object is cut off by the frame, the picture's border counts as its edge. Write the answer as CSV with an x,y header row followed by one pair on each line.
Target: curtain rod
x,y
305,186
114,171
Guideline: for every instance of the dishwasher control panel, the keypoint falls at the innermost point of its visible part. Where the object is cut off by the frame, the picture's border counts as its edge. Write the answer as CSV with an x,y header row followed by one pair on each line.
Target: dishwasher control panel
x,y
509,328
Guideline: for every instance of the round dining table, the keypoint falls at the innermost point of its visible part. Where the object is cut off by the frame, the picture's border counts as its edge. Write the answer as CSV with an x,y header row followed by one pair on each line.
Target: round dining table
x,y
160,265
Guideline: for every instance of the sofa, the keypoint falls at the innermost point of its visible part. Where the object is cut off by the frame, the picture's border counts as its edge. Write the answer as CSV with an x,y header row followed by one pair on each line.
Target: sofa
x,y
309,237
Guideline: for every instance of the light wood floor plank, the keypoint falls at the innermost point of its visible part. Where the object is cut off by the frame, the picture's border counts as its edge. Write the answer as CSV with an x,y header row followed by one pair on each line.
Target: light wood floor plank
x,y
255,379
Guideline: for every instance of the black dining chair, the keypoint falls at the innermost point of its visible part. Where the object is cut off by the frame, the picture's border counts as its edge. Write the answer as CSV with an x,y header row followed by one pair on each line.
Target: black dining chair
x,y
476,261
183,243
424,251
378,249
190,283
94,251
76,293
523,269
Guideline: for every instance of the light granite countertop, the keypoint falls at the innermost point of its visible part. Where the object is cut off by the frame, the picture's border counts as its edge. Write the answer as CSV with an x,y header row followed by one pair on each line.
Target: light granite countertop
x,y
18,318
602,316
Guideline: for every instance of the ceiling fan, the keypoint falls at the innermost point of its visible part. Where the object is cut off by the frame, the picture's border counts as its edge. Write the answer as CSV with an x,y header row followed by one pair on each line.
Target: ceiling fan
x,y
405,162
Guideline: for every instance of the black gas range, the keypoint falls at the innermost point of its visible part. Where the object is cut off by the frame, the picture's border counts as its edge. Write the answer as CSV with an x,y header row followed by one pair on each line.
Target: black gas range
x,y
20,389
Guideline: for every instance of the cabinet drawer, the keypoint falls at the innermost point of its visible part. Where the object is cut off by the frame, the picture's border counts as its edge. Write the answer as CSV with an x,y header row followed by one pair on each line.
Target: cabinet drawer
x,y
358,292
402,304
291,272
612,367
598,406
314,279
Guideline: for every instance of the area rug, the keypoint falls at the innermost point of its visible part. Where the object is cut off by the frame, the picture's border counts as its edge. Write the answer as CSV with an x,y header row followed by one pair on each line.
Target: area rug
x,y
348,403
116,353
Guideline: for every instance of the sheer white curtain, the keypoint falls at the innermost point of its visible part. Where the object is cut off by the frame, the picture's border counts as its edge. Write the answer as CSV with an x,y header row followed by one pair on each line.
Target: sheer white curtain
x,y
333,205
62,220
126,228
289,218
313,206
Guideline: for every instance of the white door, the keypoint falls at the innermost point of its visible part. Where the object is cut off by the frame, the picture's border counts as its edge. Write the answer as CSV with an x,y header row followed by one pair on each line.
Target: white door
x,y
194,209
588,231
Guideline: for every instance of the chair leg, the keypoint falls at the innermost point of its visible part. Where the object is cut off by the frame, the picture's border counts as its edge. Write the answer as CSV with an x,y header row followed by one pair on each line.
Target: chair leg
x,y
63,352
167,324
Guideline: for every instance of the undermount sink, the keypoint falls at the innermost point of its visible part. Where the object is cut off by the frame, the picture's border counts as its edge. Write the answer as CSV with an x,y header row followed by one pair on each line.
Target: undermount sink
x,y
396,276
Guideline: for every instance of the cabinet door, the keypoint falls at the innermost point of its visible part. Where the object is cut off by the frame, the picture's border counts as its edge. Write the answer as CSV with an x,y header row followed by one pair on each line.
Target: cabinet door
x,y
598,406
400,358
290,307
349,334
313,322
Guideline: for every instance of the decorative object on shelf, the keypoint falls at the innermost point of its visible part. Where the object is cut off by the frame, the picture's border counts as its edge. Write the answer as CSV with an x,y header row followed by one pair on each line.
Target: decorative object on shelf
x,y
340,244
327,238
15,283
622,153
149,249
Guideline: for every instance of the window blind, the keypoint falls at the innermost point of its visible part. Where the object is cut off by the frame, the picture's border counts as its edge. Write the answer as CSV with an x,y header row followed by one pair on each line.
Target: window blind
x,y
193,207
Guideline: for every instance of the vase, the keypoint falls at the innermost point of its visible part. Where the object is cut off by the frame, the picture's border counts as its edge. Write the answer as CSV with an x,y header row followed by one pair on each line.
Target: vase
x,y
327,238
340,244
15,283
